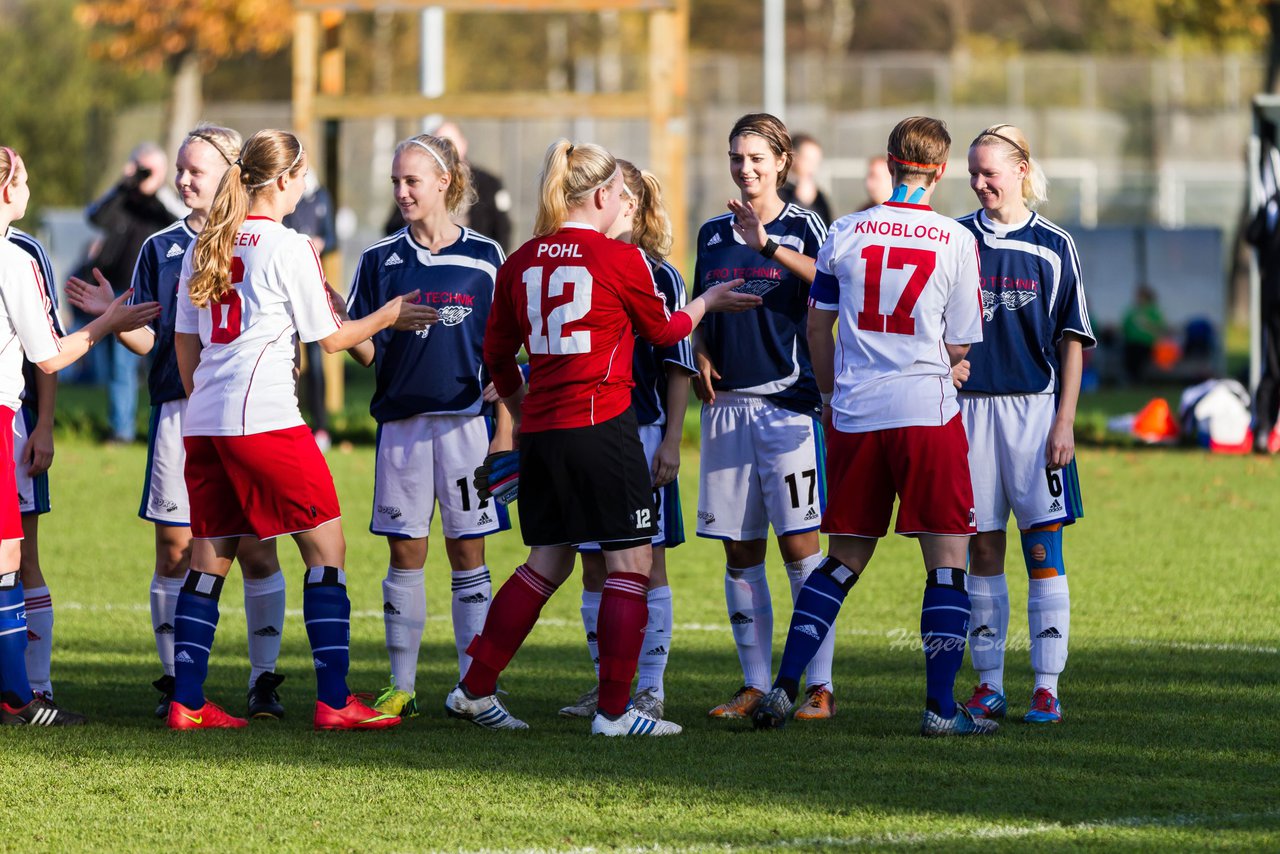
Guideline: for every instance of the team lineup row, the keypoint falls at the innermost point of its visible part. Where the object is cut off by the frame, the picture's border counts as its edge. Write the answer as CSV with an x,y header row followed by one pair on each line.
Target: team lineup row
x,y
221,298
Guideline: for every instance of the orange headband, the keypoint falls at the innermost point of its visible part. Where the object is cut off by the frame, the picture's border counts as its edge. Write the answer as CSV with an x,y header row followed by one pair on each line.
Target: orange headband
x,y
916,165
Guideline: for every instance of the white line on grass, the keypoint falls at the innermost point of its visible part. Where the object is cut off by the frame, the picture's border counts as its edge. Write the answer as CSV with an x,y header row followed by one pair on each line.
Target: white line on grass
x,y
990,831
555,622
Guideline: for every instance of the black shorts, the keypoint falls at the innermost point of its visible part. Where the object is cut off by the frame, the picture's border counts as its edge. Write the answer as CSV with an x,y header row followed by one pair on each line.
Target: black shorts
x,y
587,484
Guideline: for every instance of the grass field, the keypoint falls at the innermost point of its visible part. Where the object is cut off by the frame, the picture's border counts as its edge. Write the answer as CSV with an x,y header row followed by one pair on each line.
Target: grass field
x,y
1170,697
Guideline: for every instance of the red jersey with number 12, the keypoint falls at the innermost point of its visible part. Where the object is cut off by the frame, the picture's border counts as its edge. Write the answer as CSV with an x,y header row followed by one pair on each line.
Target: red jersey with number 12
x,y
572,299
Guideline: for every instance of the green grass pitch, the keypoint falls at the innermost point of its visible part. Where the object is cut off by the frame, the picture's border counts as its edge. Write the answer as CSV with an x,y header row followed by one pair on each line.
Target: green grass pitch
x,y
1170,696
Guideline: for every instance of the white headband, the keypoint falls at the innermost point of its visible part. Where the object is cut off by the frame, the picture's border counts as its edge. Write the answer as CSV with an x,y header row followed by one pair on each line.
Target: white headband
x,y
432,152
286,171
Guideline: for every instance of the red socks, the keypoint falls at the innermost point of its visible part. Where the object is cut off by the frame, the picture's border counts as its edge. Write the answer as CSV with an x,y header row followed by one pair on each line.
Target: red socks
x,y
512,614
624,612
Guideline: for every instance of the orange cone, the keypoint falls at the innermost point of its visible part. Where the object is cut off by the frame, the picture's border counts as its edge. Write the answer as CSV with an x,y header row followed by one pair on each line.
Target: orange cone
x,y
1155,422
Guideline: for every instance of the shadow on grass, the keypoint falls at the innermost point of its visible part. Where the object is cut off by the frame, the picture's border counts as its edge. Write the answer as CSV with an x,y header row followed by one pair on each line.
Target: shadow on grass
x,y
1148,732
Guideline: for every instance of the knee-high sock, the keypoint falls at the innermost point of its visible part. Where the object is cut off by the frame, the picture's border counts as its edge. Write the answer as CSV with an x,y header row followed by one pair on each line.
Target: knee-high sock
x,y
656,649
746,592
511,617
624,612
944,624
404,614
39,638
194,625
14,687
164,603
472,590
1049,622
819,670
264,616
989,627
817,605
327,612
590,612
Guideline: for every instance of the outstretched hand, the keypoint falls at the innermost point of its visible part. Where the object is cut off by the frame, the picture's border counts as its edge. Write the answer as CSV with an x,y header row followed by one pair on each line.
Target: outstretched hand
x,y
746,222
409,316
124,318
91,299
724,297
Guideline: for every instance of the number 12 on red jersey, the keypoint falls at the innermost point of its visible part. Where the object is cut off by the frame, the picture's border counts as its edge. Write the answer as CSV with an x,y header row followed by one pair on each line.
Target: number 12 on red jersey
x,y
923,262
550,313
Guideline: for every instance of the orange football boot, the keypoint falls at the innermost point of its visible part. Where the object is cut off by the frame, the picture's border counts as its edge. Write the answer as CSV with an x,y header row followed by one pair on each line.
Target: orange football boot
x,y
354,715
208,716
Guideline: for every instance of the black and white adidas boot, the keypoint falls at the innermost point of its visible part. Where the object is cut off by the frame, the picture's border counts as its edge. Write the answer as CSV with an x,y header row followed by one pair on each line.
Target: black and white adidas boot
x,y
40,712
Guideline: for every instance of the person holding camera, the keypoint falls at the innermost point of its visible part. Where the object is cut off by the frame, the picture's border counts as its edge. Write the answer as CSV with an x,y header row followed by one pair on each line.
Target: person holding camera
x,y
127,214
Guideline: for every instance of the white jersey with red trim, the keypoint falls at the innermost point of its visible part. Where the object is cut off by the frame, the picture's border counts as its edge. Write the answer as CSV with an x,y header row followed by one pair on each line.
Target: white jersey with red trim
x,y
904,281
244,383
25,324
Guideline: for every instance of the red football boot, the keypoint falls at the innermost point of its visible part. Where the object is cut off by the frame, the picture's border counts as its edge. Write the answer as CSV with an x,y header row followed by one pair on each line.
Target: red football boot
x,y
354,715
208,716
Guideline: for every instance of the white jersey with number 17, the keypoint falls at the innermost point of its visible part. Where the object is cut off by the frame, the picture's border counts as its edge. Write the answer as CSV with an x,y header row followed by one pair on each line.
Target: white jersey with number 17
x,y
244,383
904,281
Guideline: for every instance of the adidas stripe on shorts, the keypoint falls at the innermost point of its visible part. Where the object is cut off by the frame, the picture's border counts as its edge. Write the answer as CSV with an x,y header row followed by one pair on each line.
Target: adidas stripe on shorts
x,y
666,499
33,492
761,465
1007,437
428,458
164,491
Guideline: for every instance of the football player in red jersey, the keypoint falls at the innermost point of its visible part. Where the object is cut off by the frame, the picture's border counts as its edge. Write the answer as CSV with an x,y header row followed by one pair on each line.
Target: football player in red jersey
x,y
571,297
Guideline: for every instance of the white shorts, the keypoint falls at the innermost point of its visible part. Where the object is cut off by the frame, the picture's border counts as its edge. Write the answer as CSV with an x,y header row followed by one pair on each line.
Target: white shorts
x,y
666,499
164,493
429,458
1007,438
33,492
761,465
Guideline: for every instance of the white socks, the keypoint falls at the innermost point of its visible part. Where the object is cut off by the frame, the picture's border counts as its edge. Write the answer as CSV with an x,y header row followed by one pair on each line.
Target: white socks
x,y
988,627
1049,621
404,613
39,607
819,669
164,603
746,592
657,642
590,611
472,591
264,616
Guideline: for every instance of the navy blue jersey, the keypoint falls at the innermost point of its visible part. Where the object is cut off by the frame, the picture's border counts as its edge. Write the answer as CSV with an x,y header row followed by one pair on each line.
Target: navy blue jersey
x,y
155,279
649,363
764,351
1032,294
32,247
439,370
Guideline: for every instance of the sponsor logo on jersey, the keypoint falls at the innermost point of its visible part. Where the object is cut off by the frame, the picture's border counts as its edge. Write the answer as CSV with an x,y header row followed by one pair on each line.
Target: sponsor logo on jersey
x,y
183,657
1050,633
808,629
174,251
1006,291
715,240
705,517
757,287
811,515
267,632
390,511
452,315
740,619
393,260
474,599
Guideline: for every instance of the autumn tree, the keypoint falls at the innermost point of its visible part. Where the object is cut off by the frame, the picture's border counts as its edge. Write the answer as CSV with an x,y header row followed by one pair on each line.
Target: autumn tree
x,y
185,39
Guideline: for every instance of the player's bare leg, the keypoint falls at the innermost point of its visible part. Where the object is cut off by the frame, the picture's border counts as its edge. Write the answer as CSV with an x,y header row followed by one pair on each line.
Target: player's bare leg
x,y
988,622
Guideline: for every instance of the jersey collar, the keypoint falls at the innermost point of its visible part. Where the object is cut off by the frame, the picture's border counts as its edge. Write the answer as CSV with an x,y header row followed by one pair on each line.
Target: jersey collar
x,y
581,225
1000,229
907,206
256,216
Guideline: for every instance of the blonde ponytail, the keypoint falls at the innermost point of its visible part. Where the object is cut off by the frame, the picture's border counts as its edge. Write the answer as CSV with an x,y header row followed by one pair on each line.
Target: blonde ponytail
x,y
266,157
570,173
650,226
